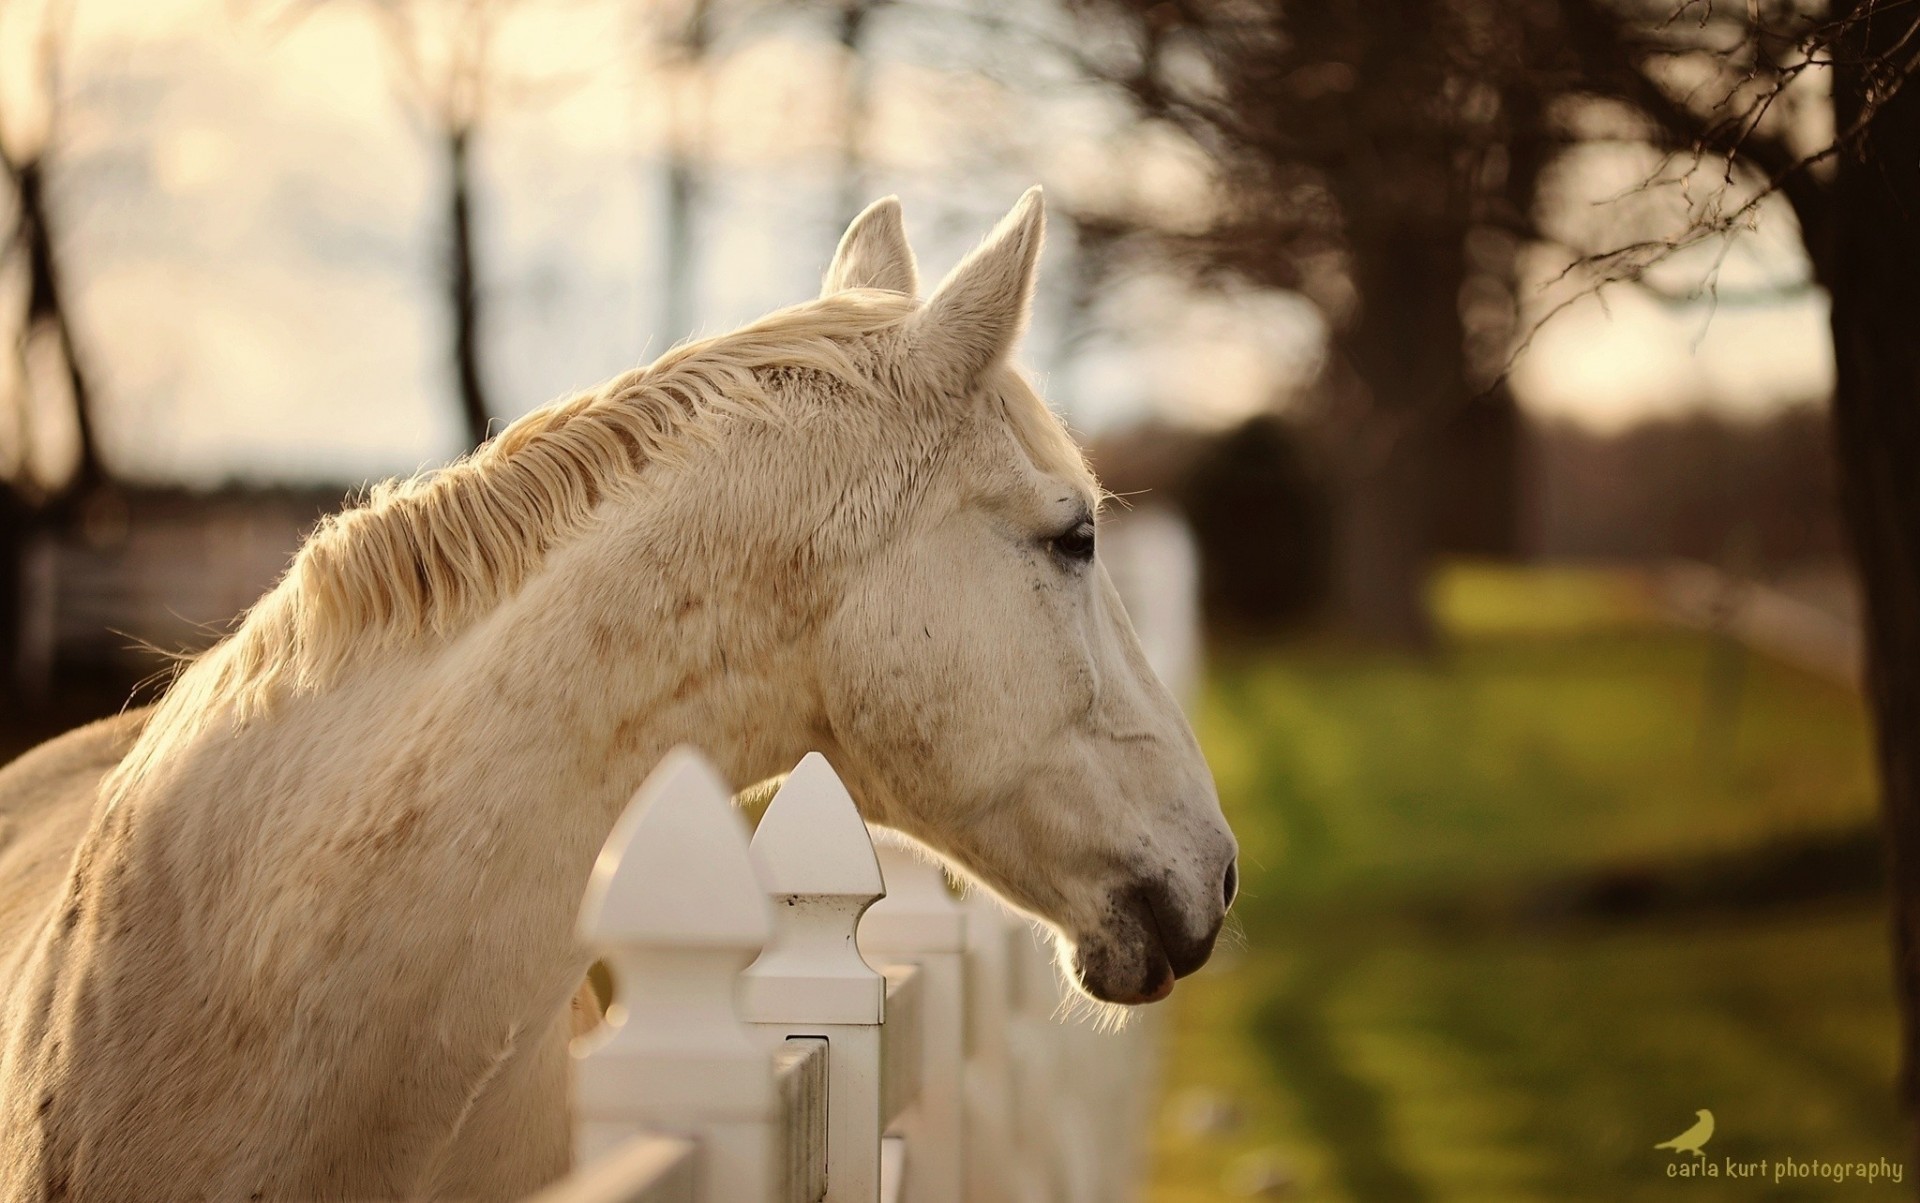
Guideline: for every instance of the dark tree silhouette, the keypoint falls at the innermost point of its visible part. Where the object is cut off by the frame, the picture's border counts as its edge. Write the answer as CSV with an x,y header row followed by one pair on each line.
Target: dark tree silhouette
x,y
463,287
48,317
685,44
1363,146
851,21
49,357
1854,200
447,74
1253,488
51,368
1873,249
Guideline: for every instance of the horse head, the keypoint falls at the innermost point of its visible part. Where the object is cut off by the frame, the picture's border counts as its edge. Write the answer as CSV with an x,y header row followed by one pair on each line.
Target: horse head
x,y
983,689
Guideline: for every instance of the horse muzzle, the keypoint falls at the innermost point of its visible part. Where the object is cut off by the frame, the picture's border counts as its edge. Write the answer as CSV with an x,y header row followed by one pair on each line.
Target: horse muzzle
x,y
1146,944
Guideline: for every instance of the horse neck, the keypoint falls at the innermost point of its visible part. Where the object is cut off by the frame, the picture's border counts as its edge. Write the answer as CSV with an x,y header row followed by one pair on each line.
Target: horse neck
x,y
381,877
467,784
562,702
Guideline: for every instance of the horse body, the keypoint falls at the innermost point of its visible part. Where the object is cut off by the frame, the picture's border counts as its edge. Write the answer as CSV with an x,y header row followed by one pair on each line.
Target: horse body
x,y
46,802
186,1003
305,930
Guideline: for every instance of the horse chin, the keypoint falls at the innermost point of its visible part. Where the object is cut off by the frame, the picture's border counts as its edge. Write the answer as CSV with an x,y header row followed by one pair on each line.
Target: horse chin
x,y
1130,974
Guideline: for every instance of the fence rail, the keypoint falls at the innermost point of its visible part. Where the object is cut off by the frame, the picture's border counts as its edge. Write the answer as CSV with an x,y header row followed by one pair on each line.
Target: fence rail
x,y
809,1016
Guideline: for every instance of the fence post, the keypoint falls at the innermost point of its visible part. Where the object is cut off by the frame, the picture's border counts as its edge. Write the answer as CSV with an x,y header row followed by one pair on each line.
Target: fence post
x,y
1032,1037
920,922
676,910
989,1088
818,864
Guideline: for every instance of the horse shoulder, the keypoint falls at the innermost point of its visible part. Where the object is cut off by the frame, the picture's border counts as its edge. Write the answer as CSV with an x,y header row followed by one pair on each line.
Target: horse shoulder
x,y
47,799
94,748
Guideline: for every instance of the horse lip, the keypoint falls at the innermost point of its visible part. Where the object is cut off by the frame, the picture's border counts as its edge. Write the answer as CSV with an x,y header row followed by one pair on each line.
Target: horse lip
x,y
1182,955
1158,986
1148,904
1163,987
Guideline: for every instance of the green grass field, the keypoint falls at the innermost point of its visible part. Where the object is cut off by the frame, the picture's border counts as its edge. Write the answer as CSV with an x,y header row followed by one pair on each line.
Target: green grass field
x,y
1511,916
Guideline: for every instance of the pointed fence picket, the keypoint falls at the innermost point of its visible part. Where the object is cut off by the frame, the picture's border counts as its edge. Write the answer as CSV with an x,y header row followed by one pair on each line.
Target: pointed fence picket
x,y
676,911
811,980
807,1016
920,924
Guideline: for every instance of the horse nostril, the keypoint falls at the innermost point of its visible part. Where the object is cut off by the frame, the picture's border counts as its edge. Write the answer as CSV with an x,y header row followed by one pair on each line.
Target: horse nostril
x,y
1231,886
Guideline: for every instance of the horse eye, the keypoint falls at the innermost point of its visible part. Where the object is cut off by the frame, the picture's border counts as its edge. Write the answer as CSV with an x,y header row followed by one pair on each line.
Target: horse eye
x,y
1075,543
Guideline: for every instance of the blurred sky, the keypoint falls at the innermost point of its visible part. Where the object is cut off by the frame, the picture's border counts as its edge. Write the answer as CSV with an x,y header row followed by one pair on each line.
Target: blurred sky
x,y
251,214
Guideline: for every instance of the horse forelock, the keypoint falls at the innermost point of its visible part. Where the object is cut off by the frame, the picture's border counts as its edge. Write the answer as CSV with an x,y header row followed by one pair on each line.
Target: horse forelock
x,y
1045,438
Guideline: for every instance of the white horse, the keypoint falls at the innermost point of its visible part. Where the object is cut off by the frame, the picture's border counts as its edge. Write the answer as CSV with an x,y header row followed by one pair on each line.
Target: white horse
x,y
304,929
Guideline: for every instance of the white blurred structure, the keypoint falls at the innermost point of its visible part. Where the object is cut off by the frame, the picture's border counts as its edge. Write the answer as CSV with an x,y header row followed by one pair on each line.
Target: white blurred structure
x,y
1153,560
775,1041
1812,621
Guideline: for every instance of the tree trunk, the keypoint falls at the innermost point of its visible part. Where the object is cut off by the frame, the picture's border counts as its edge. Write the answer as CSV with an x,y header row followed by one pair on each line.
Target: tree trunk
x,y
682,200
463,288
1383,546
47,314
1477,490
855,87
687,142
1406,356
1869,267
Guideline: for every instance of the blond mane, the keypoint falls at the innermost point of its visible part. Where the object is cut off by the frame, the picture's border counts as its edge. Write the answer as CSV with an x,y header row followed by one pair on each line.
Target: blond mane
x,y
431,554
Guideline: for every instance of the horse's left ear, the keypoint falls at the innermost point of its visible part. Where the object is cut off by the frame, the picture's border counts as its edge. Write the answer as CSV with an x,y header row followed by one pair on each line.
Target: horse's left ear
x,y
979,311
874,253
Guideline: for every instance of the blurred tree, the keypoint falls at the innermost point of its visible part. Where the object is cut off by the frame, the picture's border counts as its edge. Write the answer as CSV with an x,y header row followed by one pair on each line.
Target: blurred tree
x,y
685,39
1381,158
1260,519
851,21
51,372
444,51
1849,167
1873,247
1688,487
51,376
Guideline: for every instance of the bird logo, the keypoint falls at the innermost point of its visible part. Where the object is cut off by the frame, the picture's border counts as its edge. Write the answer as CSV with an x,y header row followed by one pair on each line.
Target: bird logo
x,y
1693,1138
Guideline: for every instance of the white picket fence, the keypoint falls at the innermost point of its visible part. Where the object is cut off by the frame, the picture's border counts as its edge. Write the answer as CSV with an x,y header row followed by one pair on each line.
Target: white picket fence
x,y
813,1017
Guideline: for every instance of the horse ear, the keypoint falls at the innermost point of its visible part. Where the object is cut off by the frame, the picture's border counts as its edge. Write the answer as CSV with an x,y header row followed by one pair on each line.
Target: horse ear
x,y
980,310
874,253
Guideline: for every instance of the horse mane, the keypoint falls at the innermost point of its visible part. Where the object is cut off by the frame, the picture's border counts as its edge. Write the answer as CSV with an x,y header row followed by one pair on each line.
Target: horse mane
x,y
431,554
